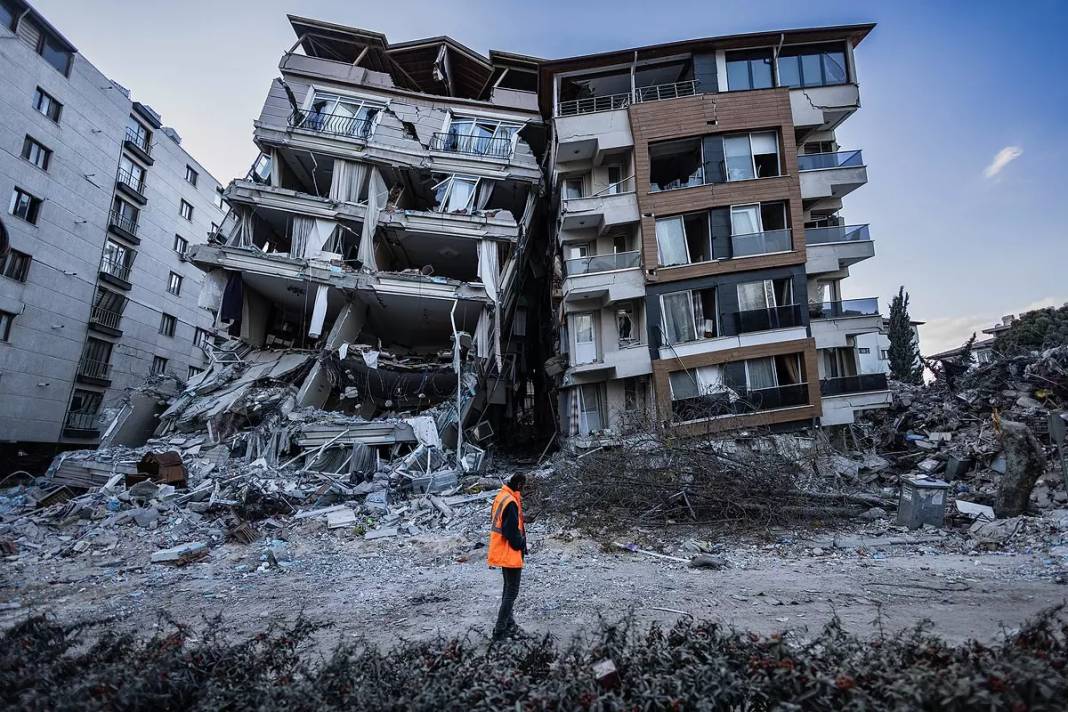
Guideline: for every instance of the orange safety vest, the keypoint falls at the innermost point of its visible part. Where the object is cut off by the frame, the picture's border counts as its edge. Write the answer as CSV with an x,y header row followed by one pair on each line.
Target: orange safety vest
x,y
500,551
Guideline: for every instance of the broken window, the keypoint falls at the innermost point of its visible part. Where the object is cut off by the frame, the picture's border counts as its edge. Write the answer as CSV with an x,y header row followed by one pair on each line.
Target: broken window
x,y
518,79
634,395
480,137
684,239
627,324
749,69
339,115
591,408
689,315
461,194
675,164
754,155
813,66
601,91
261,170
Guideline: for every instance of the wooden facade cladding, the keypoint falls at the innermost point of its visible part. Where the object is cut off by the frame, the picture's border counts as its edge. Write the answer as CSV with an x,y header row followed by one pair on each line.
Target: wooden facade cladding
x,y
662,368
703,115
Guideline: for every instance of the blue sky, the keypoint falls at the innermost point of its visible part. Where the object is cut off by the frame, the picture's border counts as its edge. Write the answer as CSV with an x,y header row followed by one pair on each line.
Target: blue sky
x,y
945,88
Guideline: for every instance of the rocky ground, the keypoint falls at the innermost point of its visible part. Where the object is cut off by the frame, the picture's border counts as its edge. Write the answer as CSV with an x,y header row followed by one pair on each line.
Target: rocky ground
x,y
414,586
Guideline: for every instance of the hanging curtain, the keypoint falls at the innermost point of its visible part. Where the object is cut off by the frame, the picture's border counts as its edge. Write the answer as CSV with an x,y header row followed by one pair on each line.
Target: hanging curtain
x,y
315,330
671,241
324,232
482,335
678,318
347,180
485,190
377,193
300,231
761,373
793,368
488,267
698,313
573,412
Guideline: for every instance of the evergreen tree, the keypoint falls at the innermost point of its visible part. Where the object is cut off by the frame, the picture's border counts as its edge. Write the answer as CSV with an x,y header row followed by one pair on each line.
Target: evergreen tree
x,y
965,358
1034,331
905,363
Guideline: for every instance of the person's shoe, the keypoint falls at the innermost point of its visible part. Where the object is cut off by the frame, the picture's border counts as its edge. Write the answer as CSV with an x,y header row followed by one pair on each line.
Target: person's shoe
x,y
499,635
514,631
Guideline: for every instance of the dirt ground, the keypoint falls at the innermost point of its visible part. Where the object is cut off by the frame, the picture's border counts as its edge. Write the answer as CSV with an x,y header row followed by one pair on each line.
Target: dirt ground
x,y
438,582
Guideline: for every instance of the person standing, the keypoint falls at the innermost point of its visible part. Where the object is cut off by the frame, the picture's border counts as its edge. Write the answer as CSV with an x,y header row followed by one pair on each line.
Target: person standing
x,y
507,548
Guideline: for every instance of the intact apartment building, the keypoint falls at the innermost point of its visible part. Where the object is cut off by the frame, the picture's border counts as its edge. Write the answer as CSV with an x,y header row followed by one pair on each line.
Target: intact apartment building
x,y
702,254
387,224
101,204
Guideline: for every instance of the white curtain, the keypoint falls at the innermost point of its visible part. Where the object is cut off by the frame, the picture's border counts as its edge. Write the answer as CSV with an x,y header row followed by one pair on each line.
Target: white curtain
x,y
755,295
485,190
745,220
347,180
377,193
488,267
318,312
671,241
484,346
683,385
710,379
324,230
761,373
300,231
678,317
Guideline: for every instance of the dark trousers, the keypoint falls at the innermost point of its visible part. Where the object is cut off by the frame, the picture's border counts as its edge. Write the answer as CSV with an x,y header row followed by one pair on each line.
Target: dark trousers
x,y
508,596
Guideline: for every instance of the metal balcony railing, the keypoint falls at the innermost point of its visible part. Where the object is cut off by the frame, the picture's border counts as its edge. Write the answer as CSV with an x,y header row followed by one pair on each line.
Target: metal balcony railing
x,y
125,222
332,124
861,383
740,402
659,92
80,421
770,398
603,263
761,243
127,177
140,141
492,146
105,317
839,233
589,105
91,368
771,318
116,269
838,159
868,306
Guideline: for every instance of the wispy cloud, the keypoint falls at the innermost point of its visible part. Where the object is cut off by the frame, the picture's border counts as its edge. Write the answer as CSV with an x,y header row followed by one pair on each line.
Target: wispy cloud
x,y
1003,158
944,333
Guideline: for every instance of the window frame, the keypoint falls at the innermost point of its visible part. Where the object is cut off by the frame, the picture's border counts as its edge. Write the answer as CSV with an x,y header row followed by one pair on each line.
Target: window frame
x,y
40,96
29,144
183,204
168,324
772,68
180,241
159,365
174,284
15,265
189,171
7,320
33,209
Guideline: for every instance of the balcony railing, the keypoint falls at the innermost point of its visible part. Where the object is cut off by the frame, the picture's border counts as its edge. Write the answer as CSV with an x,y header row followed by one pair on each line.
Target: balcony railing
x,y
116,269
771,318
105,317
333,124
839,159
868,306
492,146
739,402
140,141
861,383
81,421
127,178
839,233
125,222
603,263
761,243
771,398
91,368
658,92
589,105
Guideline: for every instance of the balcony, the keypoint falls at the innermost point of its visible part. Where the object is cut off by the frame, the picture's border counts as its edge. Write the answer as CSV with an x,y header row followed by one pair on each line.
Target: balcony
x,y
594,104
823,108
739,402
628,360
341,125
590,128
830,176
115,272
831,249
105,320
124,226
606,278
660,92
482,146
138,145
131,186
784,317
861,383
603,263
761,243
95,372
80,425
615,205
845,309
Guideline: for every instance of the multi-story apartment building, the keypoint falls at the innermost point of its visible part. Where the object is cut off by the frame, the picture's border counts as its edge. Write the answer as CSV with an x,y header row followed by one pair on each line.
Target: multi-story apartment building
x,y
386,222
698,186
101,205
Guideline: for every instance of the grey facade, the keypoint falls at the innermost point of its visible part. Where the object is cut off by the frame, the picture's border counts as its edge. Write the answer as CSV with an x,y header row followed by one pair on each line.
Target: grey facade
x,y
64,129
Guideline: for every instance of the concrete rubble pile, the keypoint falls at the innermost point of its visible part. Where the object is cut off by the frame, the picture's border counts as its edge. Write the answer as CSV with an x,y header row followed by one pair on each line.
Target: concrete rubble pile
x,y
233,458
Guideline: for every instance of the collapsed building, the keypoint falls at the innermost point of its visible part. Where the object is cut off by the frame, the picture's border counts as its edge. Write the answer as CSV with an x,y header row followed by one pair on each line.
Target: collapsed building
x,y
386,226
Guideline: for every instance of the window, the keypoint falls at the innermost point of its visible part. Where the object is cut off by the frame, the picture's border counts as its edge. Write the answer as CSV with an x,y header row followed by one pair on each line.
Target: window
x,y
137,134
35,152
8,13
218,197
194,371
167,325
190,176
181,245
819,147
615,179
131,174
574,188
585,330
46,104
6,320
749,69
25,206
884,355
117,260
812,66
174,284
634,395
480,137
15,266
84,403
753,155
159,365
185,210
591,409
460,194
627,324
259,173
864,350
124,215
689,315
202,338
684,239
340,115
676,164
